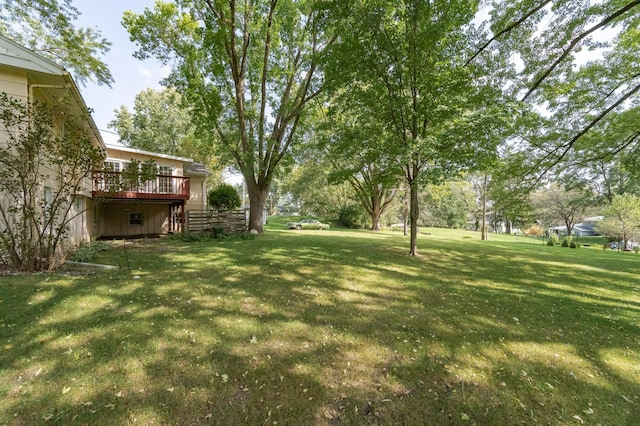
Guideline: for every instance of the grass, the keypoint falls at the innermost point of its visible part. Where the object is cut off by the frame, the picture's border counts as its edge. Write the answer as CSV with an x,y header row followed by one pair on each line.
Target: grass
x,y
334,327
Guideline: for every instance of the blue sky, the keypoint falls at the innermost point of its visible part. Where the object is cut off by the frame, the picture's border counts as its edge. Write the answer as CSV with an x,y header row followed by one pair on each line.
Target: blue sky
x,y
131,75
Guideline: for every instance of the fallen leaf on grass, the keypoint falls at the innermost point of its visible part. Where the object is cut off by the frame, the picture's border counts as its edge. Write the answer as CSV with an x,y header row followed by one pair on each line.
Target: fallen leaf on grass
x,y
578,418
65,390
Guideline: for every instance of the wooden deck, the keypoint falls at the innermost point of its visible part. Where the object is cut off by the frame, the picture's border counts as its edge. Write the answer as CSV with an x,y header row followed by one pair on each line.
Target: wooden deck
x,y
112,185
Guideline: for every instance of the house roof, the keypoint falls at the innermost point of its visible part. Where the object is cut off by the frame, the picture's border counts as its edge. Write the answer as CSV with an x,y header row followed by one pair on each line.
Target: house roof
x,y
585,227
197,169
150,153
45,75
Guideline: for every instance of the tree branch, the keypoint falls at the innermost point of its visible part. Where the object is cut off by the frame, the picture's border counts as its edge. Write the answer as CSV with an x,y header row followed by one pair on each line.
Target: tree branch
x,y
575,41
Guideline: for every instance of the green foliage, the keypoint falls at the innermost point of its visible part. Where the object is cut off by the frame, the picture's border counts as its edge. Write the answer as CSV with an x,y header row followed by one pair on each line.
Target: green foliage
x,y
308,185
622,218
248,70
137,173
224,197
41,174
88,252
554,238
47,27
573,244
217,233
359,304
161,122
566,242
550,242
449,204
353,216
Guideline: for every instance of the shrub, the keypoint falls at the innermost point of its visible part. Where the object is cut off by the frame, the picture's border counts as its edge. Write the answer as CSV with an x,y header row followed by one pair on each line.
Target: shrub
x,y
353,216
550,242
187,237
217,233
573,245
87,252
224,197
534,231
554,238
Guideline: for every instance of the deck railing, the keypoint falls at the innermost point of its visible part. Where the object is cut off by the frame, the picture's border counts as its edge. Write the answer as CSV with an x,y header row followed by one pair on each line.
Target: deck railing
x,y
116,185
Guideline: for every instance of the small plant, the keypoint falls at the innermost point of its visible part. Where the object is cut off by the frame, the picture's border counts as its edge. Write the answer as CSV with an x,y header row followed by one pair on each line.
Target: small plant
x,y
87,252
573,245
186,237
550,242
636,249
217,233
554,238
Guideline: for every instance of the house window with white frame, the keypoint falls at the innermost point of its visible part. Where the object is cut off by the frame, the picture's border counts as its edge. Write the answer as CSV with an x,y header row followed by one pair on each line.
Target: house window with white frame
x,y
165,182
48,196
112,175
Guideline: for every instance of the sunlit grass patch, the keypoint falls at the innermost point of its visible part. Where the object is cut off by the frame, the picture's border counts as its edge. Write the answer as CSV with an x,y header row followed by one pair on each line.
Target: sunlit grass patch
x,y
316,327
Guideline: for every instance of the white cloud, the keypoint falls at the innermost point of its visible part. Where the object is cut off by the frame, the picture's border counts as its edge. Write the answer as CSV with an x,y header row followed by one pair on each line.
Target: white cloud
x,y
146,72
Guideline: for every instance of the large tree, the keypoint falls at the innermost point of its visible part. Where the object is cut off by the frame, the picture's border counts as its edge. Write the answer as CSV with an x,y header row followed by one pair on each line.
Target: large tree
x,y
578,64
622,218
47,27
560,204
356,149
248,68
406,62
161,122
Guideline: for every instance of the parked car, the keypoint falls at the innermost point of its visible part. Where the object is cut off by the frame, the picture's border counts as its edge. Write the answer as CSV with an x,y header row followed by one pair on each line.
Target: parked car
x,y
307,224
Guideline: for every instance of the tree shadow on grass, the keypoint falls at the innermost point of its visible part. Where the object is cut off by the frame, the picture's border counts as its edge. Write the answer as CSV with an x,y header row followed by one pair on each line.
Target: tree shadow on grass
x,y
322,329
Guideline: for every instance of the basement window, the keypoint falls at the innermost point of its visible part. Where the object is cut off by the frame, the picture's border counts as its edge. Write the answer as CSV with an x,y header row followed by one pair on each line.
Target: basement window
x,y
135,219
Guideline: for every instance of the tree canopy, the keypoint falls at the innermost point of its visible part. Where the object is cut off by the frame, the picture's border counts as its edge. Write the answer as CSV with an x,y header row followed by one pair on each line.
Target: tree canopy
x,y
249,69
161,122
406,62
47,27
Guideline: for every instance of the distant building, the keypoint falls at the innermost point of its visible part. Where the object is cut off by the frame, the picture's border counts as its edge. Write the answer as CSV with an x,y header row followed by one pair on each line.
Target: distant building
x,y
587,228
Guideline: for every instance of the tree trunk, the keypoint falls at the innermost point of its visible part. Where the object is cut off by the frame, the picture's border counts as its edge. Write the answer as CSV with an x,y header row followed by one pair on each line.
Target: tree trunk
x,y
414,211
257,199
485,235
376,213
405,212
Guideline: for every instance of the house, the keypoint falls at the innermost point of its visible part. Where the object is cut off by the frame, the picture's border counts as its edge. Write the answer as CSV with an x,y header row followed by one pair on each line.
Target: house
x,y
135,193
129,204
587,228
29,77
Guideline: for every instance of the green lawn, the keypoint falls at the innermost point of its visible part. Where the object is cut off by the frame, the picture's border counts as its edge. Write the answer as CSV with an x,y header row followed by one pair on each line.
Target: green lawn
x,y
333,327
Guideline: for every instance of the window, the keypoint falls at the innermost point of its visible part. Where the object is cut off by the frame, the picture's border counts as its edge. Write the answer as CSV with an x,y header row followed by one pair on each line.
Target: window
x,y
165,183
48,196
135,219
131,176
111,166
111,176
